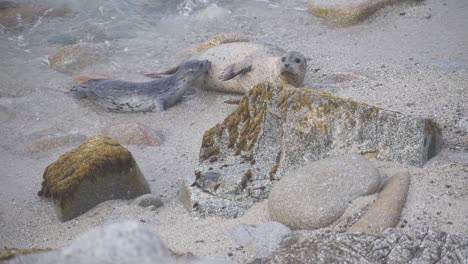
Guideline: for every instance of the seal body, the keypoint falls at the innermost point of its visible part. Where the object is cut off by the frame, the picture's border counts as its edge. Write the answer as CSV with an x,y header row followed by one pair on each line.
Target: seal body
x,y
155,95
236,67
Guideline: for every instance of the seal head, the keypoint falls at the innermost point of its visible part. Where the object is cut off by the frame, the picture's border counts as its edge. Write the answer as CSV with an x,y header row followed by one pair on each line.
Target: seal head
x,y
292,68
192,70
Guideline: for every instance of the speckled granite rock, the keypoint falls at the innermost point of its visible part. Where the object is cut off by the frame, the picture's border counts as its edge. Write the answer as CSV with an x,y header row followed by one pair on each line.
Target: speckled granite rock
x,y
386,210
316,195
259,241
119,243
347,12
99,170
393,246
276,128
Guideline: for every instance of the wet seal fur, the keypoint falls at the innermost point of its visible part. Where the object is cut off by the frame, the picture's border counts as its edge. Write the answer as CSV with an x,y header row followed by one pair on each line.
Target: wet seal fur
x,y
155,95
238,65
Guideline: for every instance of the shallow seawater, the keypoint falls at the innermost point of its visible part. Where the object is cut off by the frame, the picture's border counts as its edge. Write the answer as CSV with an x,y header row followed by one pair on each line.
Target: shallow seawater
x,y
154,23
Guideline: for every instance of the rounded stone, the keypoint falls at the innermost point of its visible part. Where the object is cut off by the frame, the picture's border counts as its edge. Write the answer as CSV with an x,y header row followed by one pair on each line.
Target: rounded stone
x,y
148,200
73,58
132,134
316,195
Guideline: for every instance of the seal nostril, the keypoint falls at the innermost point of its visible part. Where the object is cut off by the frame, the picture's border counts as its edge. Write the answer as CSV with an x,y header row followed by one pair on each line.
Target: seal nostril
x,y
286,65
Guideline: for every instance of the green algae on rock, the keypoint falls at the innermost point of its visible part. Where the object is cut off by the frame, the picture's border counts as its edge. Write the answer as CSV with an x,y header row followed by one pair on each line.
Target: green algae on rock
x,y
347,12
9,253
277,127
99,170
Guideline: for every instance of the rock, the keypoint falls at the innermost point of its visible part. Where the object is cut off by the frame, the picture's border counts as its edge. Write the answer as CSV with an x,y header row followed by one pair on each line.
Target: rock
x,y
261,240
386,210
119,243
276,128
347,12
9,253
82,78
316,195
16,15
99,170
132,134
418,245
76,57
49,143
211,13
147,200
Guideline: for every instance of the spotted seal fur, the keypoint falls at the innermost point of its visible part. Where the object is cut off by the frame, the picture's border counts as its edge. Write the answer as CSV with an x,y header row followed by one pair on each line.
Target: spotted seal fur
x,y
238,65
156,95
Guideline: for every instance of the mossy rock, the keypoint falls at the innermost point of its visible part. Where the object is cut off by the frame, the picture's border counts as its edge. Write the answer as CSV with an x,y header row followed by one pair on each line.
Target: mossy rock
x,y
347,12
9,253
99,170
277,127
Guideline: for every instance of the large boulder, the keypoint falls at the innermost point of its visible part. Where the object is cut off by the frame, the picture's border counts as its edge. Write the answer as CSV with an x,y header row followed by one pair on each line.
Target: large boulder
x,y
347,12
99,170
419,245
276,128
316,195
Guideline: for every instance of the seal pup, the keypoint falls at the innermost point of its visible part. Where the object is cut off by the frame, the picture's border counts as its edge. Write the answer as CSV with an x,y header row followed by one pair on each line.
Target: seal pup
x,y
236,66
155,95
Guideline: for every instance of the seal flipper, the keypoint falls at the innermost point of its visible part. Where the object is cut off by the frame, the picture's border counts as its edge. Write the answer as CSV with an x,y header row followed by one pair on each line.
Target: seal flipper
x,y
233,70
163,74
158,105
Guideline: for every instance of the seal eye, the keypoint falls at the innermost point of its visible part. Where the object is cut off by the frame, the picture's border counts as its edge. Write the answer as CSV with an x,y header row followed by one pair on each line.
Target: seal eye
x,y
283,59
297,60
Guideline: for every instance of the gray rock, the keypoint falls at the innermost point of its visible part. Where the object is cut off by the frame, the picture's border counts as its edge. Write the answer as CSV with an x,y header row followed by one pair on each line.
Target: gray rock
x,y
119,243
386,210
148,200
316,195
393,246
261,240
347,12
277,128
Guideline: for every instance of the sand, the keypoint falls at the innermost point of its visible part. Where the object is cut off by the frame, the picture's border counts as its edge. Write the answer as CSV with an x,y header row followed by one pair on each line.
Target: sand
x,y
411,58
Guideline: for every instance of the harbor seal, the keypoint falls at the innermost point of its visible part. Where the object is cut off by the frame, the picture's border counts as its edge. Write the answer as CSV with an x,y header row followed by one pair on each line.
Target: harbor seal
x,y
237,66
155,95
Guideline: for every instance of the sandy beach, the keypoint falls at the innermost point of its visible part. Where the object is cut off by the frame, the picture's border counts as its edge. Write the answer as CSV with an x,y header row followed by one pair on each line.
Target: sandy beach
x,y
410,57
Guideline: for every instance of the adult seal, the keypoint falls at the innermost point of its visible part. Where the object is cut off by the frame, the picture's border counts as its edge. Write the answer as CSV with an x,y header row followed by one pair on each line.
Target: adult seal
x,y
237,65
156,95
